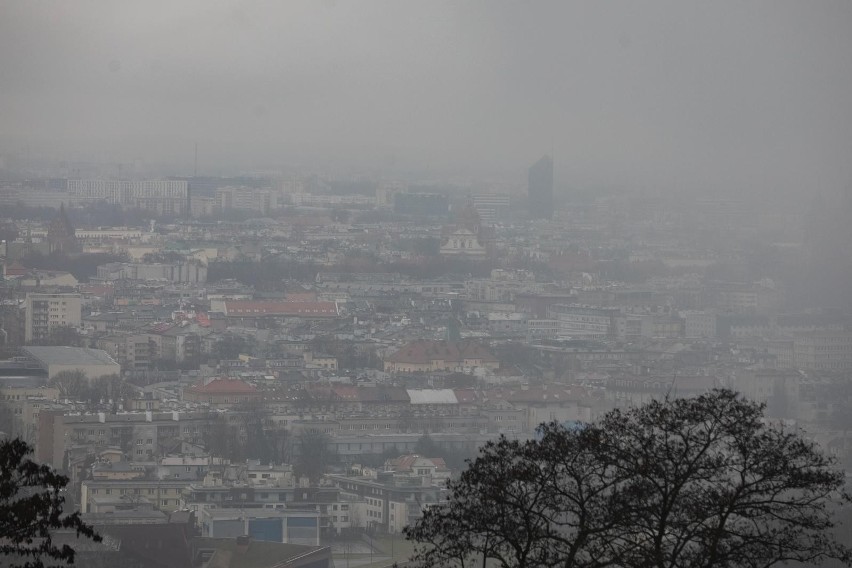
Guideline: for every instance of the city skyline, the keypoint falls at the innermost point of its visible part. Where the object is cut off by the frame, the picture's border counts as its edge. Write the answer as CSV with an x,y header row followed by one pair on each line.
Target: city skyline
x,y
736,99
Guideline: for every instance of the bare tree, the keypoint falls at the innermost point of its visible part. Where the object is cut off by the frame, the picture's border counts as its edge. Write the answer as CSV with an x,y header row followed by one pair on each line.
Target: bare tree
x,y
702,482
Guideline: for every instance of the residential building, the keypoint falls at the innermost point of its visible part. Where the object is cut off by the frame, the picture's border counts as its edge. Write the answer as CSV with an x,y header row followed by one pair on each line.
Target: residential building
x,y
584,322
46,312
189,271
164,197
699,324
163,494
393,501
247,198
223,393
817,351
492,207
430,355
254,311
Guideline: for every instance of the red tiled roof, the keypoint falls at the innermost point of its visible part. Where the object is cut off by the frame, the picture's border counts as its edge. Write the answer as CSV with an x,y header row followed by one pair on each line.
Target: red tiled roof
x,y
251,308
426,350
404,463
465,396
161,327
97,290
223,386
346,392
16,269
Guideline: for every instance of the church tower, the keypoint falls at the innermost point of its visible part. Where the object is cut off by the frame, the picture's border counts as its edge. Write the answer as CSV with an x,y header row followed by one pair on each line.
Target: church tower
x,y
60,234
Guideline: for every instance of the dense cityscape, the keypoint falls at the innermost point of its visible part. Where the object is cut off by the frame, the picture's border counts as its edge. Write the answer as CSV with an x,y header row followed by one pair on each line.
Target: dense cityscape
x,y
318,356
429,284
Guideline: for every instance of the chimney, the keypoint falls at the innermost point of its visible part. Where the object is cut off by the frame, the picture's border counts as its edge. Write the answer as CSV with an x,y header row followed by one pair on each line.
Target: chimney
x,y
243,543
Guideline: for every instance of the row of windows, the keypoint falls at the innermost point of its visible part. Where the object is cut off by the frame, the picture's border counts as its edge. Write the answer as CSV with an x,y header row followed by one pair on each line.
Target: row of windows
x,y
366,426
135,491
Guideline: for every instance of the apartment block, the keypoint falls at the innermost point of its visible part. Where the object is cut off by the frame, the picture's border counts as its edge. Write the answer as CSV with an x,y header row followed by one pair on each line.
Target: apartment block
x,y
47,312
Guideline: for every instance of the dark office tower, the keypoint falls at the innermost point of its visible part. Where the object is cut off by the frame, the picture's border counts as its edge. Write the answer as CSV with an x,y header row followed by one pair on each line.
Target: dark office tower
x,y
541,189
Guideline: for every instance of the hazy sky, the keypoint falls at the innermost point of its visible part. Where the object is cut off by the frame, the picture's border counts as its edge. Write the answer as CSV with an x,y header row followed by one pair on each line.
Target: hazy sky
x,y
706,95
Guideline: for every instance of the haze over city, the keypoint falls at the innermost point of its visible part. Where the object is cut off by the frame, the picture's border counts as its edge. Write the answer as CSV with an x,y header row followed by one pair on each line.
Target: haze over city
x,y
707,97
425,284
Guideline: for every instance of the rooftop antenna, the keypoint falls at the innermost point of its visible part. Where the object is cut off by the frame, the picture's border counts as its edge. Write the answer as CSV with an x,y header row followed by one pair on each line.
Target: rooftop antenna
x,y
195,170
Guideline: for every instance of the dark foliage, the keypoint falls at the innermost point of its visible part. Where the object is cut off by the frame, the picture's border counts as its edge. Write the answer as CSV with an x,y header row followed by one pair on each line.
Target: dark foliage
x,y
314,455
63,335
232,346
81,266
266,275
700,482
31,503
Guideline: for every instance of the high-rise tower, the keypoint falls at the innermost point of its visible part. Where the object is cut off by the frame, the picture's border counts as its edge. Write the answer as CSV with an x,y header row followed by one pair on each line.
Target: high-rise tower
x,y
541,188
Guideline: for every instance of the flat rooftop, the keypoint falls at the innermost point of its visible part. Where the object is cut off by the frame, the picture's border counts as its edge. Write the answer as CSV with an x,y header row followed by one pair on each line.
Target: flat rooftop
x,y
69,356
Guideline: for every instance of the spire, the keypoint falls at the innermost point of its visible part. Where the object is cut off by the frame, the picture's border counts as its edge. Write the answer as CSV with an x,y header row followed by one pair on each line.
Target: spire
x,y
60,232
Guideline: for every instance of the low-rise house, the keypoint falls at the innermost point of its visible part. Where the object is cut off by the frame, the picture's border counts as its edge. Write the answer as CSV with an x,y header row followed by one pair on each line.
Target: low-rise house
x,y
414,465
164,494
430,355
392,501
223,393
116,471
252,312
